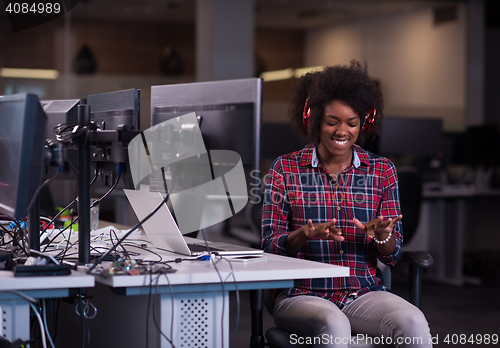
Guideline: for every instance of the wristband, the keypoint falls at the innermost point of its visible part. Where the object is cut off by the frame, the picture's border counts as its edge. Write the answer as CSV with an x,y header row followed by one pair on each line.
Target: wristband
x,y
382,241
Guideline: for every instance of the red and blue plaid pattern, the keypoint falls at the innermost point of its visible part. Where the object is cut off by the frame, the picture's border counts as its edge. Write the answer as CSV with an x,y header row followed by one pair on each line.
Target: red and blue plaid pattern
x,y
298,188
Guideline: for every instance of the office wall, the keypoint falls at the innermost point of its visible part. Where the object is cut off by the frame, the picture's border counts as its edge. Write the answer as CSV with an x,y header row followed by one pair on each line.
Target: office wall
x,y
128,55
492,89
421,67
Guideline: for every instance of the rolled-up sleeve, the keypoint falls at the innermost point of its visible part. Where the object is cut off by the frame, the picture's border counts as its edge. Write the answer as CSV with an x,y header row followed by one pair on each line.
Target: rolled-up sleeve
x,y
390,207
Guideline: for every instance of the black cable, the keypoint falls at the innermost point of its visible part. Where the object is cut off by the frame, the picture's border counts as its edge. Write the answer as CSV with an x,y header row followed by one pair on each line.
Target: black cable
x,y
172,319
126,253
11,234
55,320
111,189
75,220
129,233
86,317
222,285
35,195
237,302
19,230
62,254
68,241
145,249
59,233
149,305
59,214
172,304
82,317
73,132
96,174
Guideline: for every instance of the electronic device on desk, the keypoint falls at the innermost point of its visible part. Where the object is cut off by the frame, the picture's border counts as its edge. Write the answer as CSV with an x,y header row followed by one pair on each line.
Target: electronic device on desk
x,y
129,267
40,264
6,259
230,114
163,232
112,111
22,149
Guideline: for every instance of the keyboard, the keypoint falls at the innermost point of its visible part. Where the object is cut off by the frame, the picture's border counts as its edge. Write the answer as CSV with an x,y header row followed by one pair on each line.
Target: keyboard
x,y
197,248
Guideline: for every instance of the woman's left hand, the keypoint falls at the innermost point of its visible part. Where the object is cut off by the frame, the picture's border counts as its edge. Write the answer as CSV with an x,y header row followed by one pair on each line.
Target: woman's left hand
x,y
378,227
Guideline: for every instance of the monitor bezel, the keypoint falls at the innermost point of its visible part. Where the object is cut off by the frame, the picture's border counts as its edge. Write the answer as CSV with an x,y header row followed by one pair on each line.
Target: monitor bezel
x,y
31,163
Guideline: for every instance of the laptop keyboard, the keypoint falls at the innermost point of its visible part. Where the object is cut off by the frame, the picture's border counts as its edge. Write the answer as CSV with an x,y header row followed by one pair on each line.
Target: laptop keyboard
x,y
197,248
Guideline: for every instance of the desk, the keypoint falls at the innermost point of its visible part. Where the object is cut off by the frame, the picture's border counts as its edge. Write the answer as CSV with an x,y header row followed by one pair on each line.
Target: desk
x,y
15,311
444,224
201,307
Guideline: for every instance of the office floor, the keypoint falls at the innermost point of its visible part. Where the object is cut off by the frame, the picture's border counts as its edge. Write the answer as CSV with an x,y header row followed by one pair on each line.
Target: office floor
x,y
450,310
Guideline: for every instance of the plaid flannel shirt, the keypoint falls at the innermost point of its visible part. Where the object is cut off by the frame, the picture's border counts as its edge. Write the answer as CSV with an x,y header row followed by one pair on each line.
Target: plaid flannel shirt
x,y
299,188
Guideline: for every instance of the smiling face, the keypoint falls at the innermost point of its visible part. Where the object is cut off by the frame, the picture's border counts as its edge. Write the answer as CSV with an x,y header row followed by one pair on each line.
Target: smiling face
x,y
339,131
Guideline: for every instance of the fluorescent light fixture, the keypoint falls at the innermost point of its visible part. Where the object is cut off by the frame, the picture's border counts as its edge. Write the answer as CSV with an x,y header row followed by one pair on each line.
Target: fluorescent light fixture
x,y
47,74
277,75
288,73
302,71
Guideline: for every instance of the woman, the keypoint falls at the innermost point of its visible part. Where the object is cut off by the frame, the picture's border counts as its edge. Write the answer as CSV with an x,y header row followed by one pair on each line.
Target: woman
x,y
334,202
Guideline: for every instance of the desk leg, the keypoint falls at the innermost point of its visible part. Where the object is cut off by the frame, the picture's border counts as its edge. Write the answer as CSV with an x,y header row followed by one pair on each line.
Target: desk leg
x,y
15,319
257,338
197,320
437,241
448,223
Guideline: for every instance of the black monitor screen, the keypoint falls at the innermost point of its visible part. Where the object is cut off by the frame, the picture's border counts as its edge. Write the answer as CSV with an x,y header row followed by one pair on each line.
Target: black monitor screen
x,y
411,136
279,139
219,126
113,109
230,113
481,145
22,140
110,111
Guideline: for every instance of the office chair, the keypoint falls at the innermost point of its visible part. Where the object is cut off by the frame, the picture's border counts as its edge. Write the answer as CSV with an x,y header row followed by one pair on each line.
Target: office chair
x,y
410,191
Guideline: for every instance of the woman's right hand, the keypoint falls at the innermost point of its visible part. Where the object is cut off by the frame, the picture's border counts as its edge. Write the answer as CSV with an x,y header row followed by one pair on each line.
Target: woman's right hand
x,y
323,230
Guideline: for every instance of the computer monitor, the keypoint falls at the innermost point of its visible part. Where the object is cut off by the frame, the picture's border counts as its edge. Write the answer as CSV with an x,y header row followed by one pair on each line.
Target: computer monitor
x,y
60,113
416,137
481,145
230,113
22,147
111,111
278,139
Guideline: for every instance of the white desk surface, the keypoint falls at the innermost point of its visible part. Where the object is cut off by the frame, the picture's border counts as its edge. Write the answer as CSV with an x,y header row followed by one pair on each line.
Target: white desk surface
x,y
273,268
74,280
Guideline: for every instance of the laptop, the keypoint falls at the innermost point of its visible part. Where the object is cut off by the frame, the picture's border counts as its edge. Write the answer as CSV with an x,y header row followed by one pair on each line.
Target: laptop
x,y
163,232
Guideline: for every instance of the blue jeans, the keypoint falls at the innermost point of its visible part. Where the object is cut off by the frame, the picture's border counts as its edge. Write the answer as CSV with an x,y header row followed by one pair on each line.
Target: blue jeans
x,y
379,316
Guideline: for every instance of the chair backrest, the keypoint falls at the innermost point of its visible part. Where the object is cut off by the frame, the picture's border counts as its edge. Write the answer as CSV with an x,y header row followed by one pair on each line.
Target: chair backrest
x,y
410,197
254,210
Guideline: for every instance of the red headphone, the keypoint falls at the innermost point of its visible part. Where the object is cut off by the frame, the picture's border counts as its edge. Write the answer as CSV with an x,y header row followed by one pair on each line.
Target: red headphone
x,y
305,115
368,121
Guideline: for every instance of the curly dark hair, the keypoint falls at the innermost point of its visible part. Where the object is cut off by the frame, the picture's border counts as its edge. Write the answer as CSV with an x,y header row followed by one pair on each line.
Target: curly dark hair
x,y
350,84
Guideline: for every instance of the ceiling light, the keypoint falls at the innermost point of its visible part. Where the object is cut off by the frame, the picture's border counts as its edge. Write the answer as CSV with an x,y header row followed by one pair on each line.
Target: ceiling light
x,y
47,74
277,75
